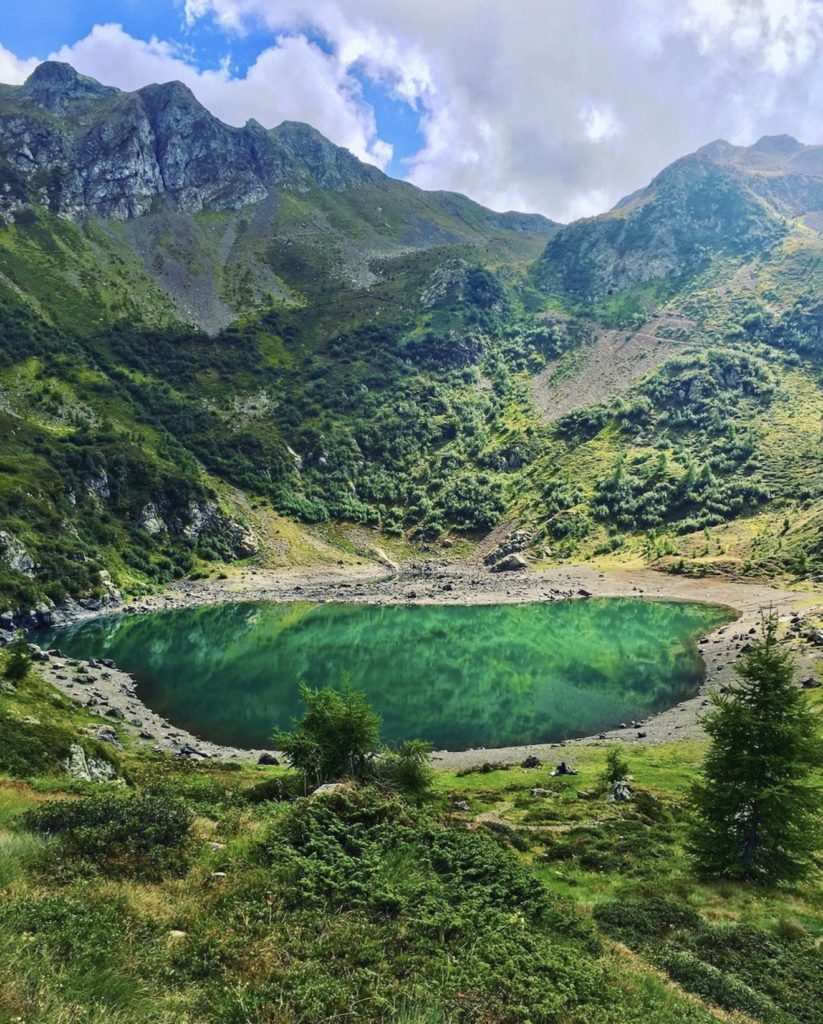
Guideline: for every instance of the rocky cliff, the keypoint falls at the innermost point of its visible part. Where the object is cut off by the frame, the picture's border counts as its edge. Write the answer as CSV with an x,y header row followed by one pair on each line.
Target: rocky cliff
x,y
81,149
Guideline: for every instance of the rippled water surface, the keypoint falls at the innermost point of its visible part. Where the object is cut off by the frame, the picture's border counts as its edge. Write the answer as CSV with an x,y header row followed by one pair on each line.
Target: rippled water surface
x,y
459,676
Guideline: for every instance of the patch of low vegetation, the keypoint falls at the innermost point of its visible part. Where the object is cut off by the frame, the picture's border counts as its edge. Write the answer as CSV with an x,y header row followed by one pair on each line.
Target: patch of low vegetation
x,y
223,893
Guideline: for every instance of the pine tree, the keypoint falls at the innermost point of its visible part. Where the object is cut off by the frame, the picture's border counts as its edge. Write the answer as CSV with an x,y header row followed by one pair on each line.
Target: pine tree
x,y
334,738
757,802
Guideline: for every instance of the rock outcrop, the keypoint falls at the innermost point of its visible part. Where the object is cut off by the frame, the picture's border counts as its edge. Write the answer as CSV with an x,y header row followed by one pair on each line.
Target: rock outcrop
x,y
83,149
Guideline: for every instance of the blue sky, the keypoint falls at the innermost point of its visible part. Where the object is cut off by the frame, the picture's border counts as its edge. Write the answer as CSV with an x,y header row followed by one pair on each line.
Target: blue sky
x,y
556,106
37,28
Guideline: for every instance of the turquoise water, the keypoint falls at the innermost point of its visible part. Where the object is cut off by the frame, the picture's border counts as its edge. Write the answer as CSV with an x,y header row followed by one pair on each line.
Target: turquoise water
x,y
458,676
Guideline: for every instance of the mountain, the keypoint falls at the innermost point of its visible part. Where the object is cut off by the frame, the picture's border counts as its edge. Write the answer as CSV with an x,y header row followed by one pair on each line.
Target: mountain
x,y
722,200
229,344
205,221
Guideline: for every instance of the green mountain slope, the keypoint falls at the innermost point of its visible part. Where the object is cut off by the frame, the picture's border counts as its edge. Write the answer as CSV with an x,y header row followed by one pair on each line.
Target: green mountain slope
x,y
222,343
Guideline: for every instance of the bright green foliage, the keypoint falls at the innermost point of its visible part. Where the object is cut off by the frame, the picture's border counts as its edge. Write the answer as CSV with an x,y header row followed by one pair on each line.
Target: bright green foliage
x,y
407,768
19,661
617,767
120,833
359,905
739,967
334,738
758,805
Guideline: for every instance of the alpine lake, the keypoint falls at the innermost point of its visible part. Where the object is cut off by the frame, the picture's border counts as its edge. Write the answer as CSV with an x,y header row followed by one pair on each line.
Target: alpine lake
x,y
459,676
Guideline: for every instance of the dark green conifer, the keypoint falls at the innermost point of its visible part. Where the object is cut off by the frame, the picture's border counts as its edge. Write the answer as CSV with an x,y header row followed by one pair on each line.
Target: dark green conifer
x,y
757,801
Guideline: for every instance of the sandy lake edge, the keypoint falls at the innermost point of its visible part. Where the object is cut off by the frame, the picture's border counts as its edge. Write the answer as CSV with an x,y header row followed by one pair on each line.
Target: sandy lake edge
x,y
110,692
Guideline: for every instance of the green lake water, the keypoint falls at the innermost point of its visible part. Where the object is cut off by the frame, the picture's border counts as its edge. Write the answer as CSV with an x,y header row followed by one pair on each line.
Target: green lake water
x,y
459,676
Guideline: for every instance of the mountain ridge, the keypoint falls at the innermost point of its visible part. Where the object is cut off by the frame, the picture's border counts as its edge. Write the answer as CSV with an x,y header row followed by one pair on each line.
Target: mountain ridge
x,y
339,362
283,155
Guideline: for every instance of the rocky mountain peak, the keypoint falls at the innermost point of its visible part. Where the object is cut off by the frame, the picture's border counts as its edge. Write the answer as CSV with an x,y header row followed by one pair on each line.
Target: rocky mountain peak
x,y
54,86
779,145
329,165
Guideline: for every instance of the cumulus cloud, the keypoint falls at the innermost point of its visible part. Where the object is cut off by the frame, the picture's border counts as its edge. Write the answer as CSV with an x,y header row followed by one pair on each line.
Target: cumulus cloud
x,y
14,70
560,107
293,79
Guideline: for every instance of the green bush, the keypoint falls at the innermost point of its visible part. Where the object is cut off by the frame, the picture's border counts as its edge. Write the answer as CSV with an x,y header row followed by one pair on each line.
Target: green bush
x,y
646,917
718,988
277,789
38,748
19,660
335,737
407,768
119,833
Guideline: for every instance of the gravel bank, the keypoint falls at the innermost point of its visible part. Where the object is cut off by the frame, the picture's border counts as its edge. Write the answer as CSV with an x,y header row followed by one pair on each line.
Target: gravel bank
x,y
110,692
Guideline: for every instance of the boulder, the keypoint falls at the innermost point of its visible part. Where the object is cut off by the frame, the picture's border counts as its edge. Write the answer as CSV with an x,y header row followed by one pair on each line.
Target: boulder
x,y
517,541
620,792
511,563
14,554
329,788
187,750
88,769
461,805
107,735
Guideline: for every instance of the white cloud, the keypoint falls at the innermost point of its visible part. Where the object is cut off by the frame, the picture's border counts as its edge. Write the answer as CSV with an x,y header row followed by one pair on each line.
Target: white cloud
x,y
524,104
505,90
599,123
291,80
14,70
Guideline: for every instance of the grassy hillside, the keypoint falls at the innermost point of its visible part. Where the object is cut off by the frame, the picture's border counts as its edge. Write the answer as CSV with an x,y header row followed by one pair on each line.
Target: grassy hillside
x,y
405,407
645,387
209,891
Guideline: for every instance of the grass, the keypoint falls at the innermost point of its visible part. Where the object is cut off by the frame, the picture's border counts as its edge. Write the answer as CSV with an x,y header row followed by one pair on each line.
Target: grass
x,y
314,909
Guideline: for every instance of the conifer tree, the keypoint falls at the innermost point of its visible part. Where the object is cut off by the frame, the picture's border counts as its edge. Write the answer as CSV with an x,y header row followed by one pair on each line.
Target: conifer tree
x,y
758,803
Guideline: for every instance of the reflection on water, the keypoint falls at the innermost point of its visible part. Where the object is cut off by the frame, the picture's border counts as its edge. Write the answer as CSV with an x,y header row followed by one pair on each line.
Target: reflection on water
x,y
459,676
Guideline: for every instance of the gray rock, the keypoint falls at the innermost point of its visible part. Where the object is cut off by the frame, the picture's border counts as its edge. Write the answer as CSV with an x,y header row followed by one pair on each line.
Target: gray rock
x,y
88,769
160,145
620,792
187,750
14,554
328,788
511,563
106,734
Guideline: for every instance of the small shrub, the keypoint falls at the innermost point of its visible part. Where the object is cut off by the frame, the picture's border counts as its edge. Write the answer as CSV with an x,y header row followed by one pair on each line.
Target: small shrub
x,y
407,769
643,917
275,789
19,661
617,767
120,834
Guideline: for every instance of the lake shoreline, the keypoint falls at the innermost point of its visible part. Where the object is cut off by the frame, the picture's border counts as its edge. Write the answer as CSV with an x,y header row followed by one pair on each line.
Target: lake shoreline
x,y
109,692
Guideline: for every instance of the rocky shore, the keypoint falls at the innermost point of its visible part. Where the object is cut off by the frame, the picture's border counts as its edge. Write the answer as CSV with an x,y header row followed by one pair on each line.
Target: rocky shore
x,y
110,692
